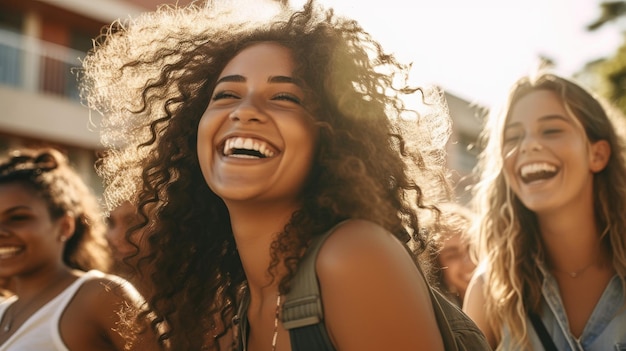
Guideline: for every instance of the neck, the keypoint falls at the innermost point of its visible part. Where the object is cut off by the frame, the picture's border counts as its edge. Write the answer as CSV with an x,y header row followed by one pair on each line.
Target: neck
x,y
29,285
572,241
255,228
30,300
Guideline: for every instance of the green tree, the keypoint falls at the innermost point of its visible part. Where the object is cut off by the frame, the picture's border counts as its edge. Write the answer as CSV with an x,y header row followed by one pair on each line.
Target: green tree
x,y
612,71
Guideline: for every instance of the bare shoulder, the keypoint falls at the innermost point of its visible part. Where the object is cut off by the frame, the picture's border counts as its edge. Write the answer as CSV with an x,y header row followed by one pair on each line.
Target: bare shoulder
x,y
365,271
110,288
475,295
104,299
474,304
103,312
357,240
360,245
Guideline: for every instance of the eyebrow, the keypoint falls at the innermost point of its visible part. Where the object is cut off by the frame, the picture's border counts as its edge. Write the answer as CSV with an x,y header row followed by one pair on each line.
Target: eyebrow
x,y
16,208
236,78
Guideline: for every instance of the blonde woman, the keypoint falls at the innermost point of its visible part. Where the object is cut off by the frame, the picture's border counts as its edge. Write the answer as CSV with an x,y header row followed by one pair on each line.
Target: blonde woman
x,y
553,232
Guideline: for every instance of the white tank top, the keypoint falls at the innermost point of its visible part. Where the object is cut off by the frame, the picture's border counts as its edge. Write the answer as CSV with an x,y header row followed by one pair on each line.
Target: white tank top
x,y
40,332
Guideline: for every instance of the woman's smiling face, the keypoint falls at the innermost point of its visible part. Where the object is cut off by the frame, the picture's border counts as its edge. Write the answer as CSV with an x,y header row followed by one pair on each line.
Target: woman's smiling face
x,y
256,139
548,161
29,237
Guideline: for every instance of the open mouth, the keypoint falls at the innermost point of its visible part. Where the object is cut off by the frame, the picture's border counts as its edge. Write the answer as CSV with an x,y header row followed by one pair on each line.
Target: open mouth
x,y
239,147
537,171
10,251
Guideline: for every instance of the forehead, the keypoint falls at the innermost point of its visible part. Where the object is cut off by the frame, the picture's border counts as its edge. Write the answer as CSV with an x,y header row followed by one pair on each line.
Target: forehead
x,y
265,59
18,194
536,105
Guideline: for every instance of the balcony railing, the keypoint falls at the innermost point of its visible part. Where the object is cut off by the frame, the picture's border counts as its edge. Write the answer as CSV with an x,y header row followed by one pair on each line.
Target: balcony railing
x,y
38,66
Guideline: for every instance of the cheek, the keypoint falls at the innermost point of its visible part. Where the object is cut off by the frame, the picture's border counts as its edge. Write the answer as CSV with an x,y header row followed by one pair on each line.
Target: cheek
x,y
450,274
303,135
453,267
205,146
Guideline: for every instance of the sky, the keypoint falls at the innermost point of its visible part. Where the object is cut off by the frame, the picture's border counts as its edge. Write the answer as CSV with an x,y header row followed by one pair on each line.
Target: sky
x,y
475,49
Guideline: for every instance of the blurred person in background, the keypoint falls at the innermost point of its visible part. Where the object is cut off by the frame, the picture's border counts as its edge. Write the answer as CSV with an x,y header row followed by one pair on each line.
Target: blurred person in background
x,y
449,256
53,250
125,239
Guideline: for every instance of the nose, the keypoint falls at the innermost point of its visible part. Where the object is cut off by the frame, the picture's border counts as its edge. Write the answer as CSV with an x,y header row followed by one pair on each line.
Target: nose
x,y
530,144
248,111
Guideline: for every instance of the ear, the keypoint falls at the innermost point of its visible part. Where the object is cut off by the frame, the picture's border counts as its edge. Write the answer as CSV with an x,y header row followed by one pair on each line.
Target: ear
x,y
67,225
600,151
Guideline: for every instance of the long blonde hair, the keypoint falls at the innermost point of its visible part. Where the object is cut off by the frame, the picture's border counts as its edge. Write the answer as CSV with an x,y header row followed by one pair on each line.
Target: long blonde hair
x,y
508,233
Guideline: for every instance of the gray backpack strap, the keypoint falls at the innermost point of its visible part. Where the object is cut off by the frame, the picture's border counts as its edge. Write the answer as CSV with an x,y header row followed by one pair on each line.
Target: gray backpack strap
x,y
303,304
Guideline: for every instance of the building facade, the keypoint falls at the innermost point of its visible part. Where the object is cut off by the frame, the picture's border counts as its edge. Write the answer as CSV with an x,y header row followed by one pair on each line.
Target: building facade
x,y
41,45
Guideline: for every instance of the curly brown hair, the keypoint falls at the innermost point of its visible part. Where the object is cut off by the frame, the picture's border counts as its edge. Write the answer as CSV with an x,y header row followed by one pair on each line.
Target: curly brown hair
x,y
48,172
152,79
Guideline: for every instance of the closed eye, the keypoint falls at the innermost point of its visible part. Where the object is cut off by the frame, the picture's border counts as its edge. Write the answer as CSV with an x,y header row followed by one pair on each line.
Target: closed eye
x,y
224,95
511,139
552,131
512,134
21,217
287,97
17,218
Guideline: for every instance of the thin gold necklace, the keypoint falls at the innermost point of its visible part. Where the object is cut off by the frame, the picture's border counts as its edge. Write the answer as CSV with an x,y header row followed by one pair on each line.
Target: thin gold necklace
x,y
276,315
577,273
8,319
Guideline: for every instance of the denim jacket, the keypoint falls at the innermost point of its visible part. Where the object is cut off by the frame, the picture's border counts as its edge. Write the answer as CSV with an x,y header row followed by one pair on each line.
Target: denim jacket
x,y
605,329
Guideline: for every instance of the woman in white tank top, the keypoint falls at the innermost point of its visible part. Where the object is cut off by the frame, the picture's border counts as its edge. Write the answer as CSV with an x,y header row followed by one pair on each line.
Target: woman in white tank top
x,y
53,249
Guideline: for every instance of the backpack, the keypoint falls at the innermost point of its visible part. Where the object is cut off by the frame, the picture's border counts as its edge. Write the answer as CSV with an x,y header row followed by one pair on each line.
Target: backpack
x,y
303,314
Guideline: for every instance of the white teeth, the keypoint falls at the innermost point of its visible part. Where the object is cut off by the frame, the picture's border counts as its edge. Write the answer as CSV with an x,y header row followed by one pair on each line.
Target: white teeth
x,y
536,168
246,144
8,251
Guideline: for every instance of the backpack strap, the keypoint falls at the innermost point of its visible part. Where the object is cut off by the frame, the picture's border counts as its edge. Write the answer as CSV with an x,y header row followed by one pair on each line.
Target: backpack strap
x,y
303,312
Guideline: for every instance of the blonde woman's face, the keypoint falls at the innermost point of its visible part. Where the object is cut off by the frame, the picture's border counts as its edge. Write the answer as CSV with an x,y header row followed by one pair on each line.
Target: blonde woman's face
x,y
547,158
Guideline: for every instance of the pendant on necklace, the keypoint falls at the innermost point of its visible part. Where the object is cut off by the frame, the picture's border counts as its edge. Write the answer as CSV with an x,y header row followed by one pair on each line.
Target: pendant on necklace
x,y
573,274
7,327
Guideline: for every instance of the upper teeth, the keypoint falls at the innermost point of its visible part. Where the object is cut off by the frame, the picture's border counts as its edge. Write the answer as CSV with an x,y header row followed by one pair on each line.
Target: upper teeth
x,y
247,144
8,251
536,167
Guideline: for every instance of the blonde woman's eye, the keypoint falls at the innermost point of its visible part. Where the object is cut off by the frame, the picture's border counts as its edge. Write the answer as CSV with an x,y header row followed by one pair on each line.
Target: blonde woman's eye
x,y
511,139
551,131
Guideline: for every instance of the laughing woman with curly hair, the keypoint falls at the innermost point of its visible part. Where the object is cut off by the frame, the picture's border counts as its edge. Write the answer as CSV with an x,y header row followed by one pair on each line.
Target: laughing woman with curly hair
x,y
248,129
55,257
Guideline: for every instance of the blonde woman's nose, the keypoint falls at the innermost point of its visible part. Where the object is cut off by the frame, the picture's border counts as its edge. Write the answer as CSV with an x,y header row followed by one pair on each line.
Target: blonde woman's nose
x,y
530,144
